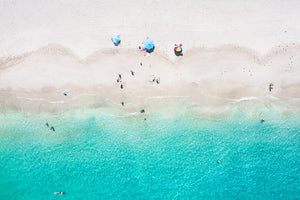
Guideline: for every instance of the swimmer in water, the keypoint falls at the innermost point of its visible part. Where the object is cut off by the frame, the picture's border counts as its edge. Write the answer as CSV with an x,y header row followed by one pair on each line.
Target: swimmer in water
x,y
262,120
61,193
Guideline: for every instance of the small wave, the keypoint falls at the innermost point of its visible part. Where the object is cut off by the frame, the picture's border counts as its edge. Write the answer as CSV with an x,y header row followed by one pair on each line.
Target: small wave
x,y
31,99
272,97
86,94
165,97
245,99
130,114
57,102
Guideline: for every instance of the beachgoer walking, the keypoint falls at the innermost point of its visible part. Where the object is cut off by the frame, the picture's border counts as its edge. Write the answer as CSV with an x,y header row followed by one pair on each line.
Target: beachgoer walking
x,y
118,80
158,80
122,103
271,87
141,63
121,86
65,93
120,76
132,72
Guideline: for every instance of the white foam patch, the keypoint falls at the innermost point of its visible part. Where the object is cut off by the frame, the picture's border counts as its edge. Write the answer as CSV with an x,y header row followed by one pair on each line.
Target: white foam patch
x,y
166,97
57,102
132,114
245,99
81,95
31,99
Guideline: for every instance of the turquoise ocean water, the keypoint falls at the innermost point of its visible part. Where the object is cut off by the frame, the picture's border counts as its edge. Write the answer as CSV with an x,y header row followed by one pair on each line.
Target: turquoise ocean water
x,y
96,155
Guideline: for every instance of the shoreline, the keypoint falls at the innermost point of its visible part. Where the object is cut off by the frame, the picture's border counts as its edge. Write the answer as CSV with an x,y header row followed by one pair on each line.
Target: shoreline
x,y
210,77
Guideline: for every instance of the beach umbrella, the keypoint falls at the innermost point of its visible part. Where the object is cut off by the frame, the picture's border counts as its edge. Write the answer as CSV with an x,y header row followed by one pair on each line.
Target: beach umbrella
x,y
178,47
149,45
116,39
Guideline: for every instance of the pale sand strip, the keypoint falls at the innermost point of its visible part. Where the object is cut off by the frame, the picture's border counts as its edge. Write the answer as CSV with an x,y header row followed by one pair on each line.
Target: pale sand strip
x,y
204,76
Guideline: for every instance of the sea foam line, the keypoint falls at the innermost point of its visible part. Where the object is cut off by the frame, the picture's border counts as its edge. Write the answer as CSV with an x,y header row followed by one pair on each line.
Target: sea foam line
x,y
57,102
245,99
85,94
165,97
31,99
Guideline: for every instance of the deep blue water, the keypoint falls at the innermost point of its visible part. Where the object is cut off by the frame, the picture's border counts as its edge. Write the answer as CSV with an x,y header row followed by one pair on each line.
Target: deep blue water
x,y
93,155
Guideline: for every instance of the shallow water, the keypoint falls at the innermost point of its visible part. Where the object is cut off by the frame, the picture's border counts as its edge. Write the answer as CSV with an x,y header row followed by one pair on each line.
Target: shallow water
x,y
95,155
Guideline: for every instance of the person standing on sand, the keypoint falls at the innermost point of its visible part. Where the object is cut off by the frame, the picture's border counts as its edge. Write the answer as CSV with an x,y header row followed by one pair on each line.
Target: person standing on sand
x,y
132,72
122,103
120,76
271,87
158,80
121,86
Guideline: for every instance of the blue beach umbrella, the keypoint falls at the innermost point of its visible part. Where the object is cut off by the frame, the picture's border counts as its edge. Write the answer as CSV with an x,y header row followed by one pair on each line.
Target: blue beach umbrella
x,y
149,45
116,39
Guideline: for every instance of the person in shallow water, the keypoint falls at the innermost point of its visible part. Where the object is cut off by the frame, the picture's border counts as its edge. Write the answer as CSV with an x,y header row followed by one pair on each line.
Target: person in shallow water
x,y
142,110
52,128
122,103
46,124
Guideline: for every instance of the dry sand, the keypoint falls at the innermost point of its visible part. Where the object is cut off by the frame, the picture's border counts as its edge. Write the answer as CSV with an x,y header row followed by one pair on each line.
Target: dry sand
x,y
232,51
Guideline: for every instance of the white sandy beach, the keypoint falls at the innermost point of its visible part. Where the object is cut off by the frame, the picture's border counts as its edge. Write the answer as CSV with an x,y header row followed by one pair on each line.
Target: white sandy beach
x,y
232,51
